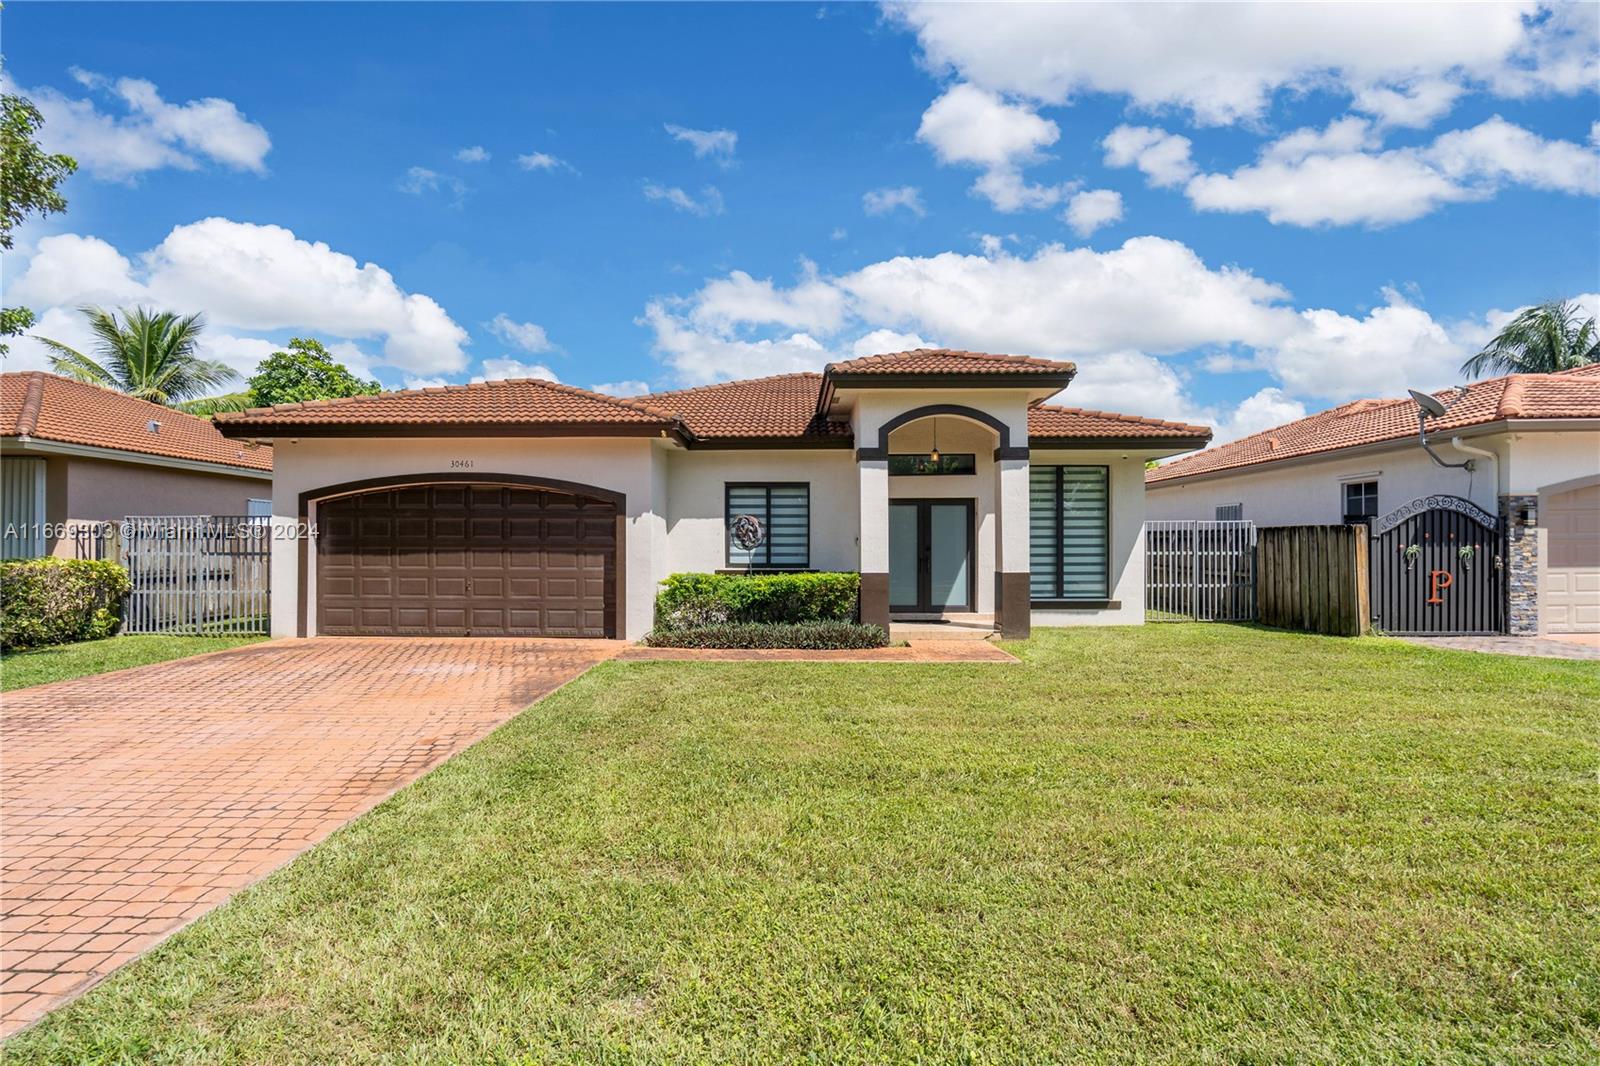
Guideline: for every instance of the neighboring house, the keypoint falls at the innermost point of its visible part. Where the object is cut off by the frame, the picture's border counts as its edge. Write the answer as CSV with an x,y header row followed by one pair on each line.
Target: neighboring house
x,y
74,456
527,507
1535,439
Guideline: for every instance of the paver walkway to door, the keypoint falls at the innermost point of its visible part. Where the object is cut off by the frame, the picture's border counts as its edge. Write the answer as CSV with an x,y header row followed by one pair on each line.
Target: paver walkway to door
x,y
133,802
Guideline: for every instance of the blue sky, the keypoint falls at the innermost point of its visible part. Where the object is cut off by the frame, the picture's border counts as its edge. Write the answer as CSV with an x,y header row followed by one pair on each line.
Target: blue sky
x,y
1232,214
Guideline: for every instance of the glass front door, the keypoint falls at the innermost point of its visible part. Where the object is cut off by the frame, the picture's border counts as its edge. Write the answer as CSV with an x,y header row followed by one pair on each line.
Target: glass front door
x,y
930,555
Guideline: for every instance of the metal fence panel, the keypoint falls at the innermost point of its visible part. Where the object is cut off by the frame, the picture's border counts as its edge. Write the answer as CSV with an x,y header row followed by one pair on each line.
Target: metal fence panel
x,y
203,574
1200,571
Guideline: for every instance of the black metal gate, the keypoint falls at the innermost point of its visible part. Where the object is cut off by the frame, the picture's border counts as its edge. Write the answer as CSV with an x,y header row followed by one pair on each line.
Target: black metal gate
x,y
1438,568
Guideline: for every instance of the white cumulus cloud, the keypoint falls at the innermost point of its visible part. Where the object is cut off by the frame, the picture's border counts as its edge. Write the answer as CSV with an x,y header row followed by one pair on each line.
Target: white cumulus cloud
x,y
506,369
249,277
708,203
146,132
528,336
1163,157
1338,176
715,144
890,198
475,154
1088,211
544,161
974,127
1223,63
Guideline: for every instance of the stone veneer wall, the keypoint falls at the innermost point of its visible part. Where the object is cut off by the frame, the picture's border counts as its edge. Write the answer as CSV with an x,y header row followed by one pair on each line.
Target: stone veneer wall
x,y
1522,566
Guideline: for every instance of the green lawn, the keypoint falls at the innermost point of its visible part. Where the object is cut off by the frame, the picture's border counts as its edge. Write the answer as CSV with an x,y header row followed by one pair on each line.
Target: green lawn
x,y
20,669
1169,844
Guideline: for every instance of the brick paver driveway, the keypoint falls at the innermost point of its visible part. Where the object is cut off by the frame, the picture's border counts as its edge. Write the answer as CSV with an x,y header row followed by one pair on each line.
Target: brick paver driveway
x,y
135,801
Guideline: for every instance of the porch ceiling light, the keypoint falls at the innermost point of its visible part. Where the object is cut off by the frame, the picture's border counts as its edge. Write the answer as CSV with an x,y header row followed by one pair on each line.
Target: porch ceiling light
x,y
933,456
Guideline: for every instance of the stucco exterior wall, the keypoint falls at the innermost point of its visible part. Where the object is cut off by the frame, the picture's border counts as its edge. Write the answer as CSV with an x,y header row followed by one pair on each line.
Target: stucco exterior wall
x,y
1537,460
105,491
1001,547
1312,493
1126,569
696,501
634,467
81,491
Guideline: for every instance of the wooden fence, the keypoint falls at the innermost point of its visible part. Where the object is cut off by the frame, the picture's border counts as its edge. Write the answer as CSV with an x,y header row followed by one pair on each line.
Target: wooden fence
x,y
1314,578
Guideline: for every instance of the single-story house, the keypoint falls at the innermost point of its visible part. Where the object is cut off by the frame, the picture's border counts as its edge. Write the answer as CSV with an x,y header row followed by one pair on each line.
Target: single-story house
x,y
1534,444
74,456
528,507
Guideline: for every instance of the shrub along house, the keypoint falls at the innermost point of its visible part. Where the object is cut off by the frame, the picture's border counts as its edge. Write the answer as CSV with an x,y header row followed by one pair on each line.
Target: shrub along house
x,y
74,456
532,508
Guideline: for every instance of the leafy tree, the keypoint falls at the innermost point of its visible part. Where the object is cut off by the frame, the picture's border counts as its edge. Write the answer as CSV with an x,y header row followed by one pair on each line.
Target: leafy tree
x,y
28,180
148,354
307,371
1541,340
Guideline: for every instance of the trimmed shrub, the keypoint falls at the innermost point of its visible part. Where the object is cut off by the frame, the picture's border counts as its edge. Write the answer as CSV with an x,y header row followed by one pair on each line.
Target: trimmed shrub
x,y
60,601
807,635
690,600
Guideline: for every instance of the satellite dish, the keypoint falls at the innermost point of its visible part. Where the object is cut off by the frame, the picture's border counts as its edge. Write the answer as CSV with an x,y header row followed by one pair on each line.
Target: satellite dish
x,y
1431,408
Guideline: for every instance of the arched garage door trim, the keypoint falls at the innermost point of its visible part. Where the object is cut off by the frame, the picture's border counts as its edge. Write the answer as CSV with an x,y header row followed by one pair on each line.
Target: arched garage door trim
x,y
378,484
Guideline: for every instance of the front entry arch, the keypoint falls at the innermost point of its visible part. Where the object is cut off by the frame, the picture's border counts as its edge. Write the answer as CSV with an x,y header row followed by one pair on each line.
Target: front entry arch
x,y
490,555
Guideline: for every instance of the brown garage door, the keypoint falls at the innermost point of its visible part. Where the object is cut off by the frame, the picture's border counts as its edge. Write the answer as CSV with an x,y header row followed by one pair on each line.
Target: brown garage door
x,y
466,560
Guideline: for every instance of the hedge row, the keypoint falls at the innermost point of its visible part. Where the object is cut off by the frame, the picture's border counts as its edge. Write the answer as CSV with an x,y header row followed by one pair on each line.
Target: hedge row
x,y
688,601
60,601
806,635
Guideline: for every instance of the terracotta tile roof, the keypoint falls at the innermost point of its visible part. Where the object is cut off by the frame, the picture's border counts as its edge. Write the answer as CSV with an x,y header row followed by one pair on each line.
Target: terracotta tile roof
x,y
1569,394
776,408
1046,421
948,361
518,402
49,407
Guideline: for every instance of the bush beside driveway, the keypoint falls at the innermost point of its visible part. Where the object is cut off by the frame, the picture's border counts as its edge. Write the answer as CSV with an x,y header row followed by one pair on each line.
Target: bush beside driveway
x,y
1168,844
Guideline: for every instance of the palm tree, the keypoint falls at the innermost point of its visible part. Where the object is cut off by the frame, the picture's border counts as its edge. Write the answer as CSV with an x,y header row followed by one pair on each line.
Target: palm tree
x,y
1541,340
147,354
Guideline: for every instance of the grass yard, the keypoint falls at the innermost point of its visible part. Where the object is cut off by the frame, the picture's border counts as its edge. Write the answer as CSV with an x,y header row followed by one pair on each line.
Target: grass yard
x,y
1170,844
38,666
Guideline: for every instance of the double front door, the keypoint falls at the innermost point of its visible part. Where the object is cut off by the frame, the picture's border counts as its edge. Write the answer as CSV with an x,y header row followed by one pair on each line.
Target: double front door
x,y
930,556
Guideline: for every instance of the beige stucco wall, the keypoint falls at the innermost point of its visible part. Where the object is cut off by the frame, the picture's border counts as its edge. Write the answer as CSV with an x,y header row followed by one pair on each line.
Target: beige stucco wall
x,y
634,467
101,491
875,407
1538,460
80,491
1126,569
1310,493
675,500
696,502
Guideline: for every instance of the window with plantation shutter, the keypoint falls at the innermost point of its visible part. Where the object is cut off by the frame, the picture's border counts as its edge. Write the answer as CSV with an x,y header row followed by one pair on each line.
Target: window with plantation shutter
x,y
784,511
1069,532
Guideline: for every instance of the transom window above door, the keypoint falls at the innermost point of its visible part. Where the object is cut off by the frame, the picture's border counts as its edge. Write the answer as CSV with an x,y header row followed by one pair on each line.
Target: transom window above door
x,y
782,511
942,463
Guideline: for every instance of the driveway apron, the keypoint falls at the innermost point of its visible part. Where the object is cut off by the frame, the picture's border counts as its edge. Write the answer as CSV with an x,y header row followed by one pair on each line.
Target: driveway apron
x,y
135,801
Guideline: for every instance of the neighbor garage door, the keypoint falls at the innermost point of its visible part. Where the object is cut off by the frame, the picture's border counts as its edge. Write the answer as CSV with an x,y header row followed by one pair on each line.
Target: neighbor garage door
x,y
1570,602
466,560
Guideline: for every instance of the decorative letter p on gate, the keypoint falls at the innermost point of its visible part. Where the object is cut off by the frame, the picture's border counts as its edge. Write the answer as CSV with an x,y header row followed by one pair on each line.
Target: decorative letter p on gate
x,y
1438,581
